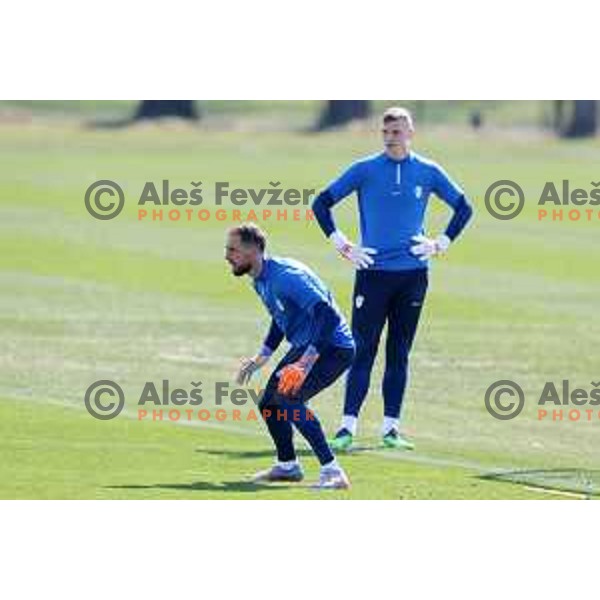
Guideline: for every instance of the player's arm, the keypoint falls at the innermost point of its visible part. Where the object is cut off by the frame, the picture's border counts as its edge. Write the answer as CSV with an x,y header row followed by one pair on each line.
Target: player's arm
x,y
316,311
446,189
249,366
292,377
463,211
322,209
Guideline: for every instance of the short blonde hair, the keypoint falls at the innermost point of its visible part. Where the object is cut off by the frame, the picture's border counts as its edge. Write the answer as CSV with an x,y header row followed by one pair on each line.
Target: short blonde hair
x,y
397,113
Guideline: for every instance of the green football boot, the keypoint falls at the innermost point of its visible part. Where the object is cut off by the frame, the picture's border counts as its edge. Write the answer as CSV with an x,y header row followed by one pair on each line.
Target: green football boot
x,y
342,440
393,439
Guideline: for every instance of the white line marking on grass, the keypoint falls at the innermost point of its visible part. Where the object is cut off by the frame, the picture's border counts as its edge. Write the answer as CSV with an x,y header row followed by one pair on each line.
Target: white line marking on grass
x,y
234,429
435,461
412,456
543,490
15,395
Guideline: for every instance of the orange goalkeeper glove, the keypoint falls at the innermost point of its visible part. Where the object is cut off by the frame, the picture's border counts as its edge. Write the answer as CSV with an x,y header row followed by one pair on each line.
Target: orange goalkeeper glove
x,y
293,376
291,379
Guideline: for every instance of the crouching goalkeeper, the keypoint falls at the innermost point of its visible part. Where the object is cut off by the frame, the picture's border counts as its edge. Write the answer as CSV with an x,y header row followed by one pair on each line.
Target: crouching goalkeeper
x,y
321,349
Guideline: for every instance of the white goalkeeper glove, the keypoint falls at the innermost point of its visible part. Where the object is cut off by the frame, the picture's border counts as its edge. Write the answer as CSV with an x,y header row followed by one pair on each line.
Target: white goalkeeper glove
x,y
359,256
425,248
249,366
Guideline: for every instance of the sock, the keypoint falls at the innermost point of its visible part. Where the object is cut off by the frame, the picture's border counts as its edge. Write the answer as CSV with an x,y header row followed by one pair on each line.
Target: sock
x,y
389,423
288,464
330,465
349,423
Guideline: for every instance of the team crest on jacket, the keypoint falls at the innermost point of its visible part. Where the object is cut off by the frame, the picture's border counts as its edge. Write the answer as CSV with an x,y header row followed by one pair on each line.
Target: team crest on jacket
x,y
418,191
359,301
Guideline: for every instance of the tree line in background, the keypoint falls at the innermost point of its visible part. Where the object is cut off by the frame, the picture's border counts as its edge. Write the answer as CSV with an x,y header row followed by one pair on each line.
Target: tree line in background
x,y
570,118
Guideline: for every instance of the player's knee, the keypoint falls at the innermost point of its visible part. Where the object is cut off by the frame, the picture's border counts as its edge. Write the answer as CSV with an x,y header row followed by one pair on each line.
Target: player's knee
x,y
349,357
365,354
397,357
395,369
266,401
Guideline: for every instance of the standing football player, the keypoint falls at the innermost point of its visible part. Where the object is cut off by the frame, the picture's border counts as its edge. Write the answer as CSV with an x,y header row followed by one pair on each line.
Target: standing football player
x,y
305,313
393,189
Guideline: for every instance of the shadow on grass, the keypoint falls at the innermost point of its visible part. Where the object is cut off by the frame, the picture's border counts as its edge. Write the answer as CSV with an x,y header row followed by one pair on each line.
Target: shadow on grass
x,y
251,454
235,454
205,486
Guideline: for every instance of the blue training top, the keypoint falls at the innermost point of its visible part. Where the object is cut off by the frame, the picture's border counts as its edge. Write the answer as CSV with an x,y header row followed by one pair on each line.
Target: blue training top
x,y
392,199
290,290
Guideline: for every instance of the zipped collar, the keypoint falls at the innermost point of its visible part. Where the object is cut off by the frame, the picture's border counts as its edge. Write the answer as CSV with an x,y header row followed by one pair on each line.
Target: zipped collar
x,y
398,164
400,161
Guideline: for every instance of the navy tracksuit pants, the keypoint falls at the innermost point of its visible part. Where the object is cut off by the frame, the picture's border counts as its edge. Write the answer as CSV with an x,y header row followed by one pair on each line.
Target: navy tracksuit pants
x,y
280,412
380,297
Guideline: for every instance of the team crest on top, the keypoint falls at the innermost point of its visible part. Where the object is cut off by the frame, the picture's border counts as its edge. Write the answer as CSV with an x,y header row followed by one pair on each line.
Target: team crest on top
x,y
418,191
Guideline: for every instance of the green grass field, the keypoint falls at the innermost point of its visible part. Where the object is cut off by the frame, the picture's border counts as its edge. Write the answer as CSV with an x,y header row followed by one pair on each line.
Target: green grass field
x,y
83,300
